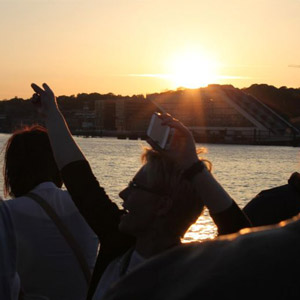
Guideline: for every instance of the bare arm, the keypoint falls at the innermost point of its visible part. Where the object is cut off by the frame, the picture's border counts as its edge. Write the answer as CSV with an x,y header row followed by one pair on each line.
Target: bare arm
x,y
183,150
63,145
93,203
225,212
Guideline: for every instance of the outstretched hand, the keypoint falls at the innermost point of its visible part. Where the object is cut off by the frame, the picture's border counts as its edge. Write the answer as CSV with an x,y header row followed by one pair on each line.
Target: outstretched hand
x,y
44,100
182,148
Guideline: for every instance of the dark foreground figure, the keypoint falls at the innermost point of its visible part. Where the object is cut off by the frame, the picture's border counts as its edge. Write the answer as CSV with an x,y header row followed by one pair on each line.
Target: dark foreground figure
x,y
163,199
263,264
275,205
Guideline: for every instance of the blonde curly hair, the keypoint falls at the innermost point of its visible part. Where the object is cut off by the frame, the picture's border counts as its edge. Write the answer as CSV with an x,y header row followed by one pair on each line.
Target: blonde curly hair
x,y
165,175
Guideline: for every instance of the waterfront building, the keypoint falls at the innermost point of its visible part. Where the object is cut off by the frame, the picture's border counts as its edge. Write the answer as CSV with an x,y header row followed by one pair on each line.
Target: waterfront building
x,y
105,112
216,113
125,116
226,114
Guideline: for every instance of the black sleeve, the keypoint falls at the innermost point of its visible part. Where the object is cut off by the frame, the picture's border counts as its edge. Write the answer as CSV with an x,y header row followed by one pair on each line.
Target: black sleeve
x,y
99,211
101,214
231,220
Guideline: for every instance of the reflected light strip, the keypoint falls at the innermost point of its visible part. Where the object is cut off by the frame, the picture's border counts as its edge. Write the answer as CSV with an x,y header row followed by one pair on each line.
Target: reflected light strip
x,y
170,76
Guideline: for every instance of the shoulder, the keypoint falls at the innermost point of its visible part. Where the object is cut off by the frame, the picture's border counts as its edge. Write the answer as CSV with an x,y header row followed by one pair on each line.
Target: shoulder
x,y
273,205
5,214
17,203
60,200
9,279
7,234
285,189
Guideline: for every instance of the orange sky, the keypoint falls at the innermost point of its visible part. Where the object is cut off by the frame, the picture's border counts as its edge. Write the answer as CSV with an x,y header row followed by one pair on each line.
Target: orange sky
x,y
140,46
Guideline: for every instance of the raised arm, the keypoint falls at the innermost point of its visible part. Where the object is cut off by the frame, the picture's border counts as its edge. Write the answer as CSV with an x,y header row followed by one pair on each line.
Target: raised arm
x,y
93,203
64,148
225,212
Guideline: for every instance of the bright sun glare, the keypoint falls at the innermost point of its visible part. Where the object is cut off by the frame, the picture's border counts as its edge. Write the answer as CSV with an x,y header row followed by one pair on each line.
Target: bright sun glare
x,y
193,70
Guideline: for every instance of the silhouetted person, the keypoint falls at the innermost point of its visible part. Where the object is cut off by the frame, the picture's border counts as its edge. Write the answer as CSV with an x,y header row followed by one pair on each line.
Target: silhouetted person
x,y
276,204
46,264
163,199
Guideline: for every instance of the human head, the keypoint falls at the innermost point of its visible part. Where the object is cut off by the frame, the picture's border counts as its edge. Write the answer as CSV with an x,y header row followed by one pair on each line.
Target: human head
x,y
28,161
173,199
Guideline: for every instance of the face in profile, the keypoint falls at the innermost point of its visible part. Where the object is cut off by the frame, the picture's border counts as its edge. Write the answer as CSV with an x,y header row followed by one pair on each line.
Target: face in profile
x,y
141,203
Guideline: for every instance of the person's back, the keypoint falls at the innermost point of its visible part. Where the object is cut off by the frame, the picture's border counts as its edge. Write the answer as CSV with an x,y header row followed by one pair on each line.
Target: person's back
x,y
9,280
262,263
275,205
46,264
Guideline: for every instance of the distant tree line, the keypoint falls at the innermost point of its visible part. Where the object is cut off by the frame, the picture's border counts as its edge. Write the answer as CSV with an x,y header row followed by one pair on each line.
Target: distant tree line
x,y
17,111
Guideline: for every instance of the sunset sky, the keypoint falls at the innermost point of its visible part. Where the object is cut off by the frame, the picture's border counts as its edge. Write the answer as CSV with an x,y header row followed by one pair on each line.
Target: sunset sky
x,y
142,46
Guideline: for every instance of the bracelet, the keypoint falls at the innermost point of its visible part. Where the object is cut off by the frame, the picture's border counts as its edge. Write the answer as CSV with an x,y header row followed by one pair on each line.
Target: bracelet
x,y
194,169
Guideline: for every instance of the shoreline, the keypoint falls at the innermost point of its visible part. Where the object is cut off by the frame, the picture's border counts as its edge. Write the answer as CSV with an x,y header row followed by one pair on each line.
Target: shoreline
x,y
214,139
201,139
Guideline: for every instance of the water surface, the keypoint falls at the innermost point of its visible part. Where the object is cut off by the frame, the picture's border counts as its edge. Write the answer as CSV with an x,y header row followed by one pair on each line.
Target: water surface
x,y
242,170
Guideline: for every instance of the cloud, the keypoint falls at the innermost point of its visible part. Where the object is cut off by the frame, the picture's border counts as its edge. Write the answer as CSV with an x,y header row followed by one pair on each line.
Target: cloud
x,y
234,77
170,76
294,66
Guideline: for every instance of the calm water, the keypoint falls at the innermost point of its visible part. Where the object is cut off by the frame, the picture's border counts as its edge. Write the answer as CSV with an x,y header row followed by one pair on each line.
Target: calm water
x,y
242,170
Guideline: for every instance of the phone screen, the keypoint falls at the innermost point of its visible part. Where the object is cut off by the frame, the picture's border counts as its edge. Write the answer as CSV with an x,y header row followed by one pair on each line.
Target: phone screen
x,y
157,132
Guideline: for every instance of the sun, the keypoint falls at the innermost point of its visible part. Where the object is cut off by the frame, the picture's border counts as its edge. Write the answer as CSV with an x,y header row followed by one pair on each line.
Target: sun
x,y
192,70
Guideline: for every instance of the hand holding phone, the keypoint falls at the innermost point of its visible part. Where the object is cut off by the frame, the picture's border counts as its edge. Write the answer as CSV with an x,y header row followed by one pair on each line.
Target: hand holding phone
x,y
158,133
180,143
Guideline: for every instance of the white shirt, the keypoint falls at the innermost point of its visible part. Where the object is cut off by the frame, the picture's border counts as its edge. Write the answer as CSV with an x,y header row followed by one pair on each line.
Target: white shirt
x,y
113,272
46,263
10,283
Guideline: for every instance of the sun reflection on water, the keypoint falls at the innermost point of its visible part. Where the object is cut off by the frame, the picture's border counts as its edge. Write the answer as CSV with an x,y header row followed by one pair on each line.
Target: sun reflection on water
x,y
203,229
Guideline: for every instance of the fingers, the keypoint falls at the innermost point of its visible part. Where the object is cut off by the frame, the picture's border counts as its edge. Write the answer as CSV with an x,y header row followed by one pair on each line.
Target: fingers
x,y
41,91
181,131
167,119
37,89
174,123
47,88
154,145
43,99
36,98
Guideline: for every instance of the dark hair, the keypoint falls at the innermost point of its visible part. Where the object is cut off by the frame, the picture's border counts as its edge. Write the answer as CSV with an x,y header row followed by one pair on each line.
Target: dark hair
x,y
28,161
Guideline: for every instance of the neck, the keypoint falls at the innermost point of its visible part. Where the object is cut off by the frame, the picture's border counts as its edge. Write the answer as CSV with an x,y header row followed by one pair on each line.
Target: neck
x,y
150,246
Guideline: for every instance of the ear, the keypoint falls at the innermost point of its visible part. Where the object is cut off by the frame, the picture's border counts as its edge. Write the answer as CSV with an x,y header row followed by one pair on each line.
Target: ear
x,y
164,205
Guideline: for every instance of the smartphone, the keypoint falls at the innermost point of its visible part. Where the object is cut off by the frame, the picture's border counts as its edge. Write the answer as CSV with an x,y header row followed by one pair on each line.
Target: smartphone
x,y
160,134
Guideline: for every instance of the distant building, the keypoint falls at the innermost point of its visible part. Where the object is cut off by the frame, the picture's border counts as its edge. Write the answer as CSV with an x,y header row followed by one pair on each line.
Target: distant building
x,y
81,119
214,114
223,113
3,122
105,112
123,115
